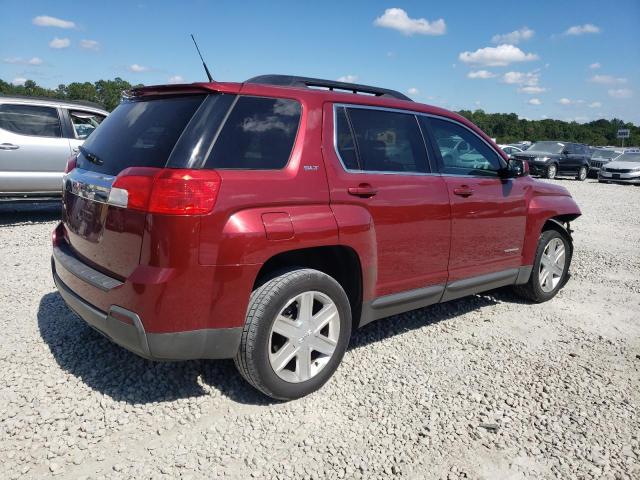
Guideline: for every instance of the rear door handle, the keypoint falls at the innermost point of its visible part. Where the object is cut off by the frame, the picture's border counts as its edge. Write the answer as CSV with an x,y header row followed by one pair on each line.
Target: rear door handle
x,y
363,190
8,146
463,191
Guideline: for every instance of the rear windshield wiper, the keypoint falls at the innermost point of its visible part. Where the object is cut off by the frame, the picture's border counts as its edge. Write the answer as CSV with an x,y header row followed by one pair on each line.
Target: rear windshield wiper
x,y
92,157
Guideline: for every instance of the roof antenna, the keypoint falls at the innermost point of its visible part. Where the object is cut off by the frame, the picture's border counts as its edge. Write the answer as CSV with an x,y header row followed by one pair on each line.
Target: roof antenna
x,y
203,64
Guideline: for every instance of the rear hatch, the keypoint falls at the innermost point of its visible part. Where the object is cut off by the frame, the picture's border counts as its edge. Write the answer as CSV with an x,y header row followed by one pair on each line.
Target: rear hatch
x,y
138,133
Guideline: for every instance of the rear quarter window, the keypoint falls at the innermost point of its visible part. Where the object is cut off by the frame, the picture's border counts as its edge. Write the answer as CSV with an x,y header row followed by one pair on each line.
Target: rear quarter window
x,y
258,134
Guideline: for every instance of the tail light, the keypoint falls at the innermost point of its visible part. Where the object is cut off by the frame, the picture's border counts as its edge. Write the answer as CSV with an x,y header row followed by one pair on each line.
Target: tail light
x,y
71,164
165,190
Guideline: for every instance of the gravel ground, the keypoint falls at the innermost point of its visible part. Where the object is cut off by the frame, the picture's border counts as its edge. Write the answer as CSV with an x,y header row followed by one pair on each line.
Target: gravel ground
x,y
483,387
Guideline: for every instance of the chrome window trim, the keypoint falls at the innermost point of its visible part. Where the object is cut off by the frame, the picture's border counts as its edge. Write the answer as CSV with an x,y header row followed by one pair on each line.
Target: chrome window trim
x,y
415,114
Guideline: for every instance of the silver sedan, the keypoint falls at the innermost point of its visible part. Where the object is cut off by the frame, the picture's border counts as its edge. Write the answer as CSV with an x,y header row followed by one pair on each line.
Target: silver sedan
x,y
626,169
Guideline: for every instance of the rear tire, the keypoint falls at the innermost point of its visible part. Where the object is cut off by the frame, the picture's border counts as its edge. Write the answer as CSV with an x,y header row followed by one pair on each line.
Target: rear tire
x,y
297,330
551,171
548,275
582,174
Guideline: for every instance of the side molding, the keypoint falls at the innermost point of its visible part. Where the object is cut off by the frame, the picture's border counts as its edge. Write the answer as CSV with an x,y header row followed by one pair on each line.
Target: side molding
x,y
401,302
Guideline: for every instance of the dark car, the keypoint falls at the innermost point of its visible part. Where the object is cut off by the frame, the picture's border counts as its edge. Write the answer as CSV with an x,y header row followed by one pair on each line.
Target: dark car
x,y
551,159
266,220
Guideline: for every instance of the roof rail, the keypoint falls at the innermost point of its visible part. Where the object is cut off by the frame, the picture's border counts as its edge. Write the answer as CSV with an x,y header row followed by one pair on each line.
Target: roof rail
x,y
293,81
79,103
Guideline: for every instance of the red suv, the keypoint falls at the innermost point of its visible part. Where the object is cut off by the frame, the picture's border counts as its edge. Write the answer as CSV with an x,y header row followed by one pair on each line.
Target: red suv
x,y
265,220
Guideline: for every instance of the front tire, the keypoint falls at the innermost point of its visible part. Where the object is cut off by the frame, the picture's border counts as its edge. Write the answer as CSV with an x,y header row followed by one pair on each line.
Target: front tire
x,y
550,268
297,330
551,172
582,174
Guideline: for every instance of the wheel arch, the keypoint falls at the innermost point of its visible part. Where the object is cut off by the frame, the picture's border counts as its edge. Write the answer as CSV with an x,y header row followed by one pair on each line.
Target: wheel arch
x,y
338,261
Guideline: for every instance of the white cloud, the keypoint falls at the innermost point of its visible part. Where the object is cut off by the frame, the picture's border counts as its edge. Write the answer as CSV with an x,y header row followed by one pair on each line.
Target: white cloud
x,y
534,101
22,61
90,44
565,101
595,105
515,37
582,29
481,74
532,90
47,21
595,66
413,91
135,68
348,78
397,19
529,79
620,93
18,81
176,79
499,56
59,43
607,79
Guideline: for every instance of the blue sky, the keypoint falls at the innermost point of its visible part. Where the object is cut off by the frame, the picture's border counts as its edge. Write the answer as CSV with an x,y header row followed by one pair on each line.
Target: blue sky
x,y
572,60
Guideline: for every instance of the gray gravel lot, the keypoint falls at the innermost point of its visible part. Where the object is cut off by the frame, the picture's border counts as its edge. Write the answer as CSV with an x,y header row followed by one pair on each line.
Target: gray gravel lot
x,y
483,387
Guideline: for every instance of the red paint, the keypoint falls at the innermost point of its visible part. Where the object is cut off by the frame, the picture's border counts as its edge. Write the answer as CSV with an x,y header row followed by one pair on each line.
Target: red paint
x,y
186,272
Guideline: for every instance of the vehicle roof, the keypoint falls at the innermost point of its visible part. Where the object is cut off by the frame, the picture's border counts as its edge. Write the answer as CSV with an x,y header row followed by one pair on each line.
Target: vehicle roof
x,y
52,102
296,91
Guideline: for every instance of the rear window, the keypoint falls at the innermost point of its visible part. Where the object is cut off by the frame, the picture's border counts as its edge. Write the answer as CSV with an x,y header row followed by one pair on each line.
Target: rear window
x,y
30,120
138,133
258,134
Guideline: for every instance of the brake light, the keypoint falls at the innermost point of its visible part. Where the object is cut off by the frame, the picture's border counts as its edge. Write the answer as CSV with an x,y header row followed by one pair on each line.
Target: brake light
x,y
71,164
166,191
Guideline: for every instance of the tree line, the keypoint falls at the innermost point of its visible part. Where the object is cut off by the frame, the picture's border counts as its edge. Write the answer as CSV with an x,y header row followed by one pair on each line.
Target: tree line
x,y
504,127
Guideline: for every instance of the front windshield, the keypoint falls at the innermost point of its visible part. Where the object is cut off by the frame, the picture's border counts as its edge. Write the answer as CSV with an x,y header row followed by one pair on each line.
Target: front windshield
x,y
547,147
605,154
630,157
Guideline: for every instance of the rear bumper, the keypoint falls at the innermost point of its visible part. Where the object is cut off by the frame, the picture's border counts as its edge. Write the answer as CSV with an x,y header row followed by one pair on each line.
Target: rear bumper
x,y
124,328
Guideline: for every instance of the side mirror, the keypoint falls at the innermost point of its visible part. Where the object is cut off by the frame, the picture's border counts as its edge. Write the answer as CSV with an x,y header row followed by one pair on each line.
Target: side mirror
x,y
565,152
515,168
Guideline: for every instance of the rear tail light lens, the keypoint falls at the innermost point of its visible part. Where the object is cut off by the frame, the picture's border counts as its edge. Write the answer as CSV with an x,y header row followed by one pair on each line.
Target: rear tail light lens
x,y
71,164
166,191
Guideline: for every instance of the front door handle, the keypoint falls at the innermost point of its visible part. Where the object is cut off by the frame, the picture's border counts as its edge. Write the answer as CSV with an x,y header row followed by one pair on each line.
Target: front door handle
x,y
463,191
363,190
8,146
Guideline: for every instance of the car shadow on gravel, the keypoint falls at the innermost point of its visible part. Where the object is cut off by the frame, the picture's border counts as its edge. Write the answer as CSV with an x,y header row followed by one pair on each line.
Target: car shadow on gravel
x,y
423,317
123,376
24,213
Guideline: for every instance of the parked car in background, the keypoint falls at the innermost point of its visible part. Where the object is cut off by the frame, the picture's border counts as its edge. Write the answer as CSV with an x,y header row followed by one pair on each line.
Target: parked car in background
x,y
266,220
510,149
601,157
624,169
550,159
37,137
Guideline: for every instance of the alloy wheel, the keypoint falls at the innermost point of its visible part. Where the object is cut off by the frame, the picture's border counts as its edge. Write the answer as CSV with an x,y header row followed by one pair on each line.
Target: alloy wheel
x,y
304,336
552,265
583,173
552,171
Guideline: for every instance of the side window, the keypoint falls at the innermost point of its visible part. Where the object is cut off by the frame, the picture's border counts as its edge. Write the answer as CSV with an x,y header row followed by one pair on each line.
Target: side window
x,y
571,149
345,142
84,123
462,151
258,134
388,141
30,120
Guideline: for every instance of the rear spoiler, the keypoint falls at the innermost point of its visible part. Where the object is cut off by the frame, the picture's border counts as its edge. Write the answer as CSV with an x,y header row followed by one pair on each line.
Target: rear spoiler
x,y
181,89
